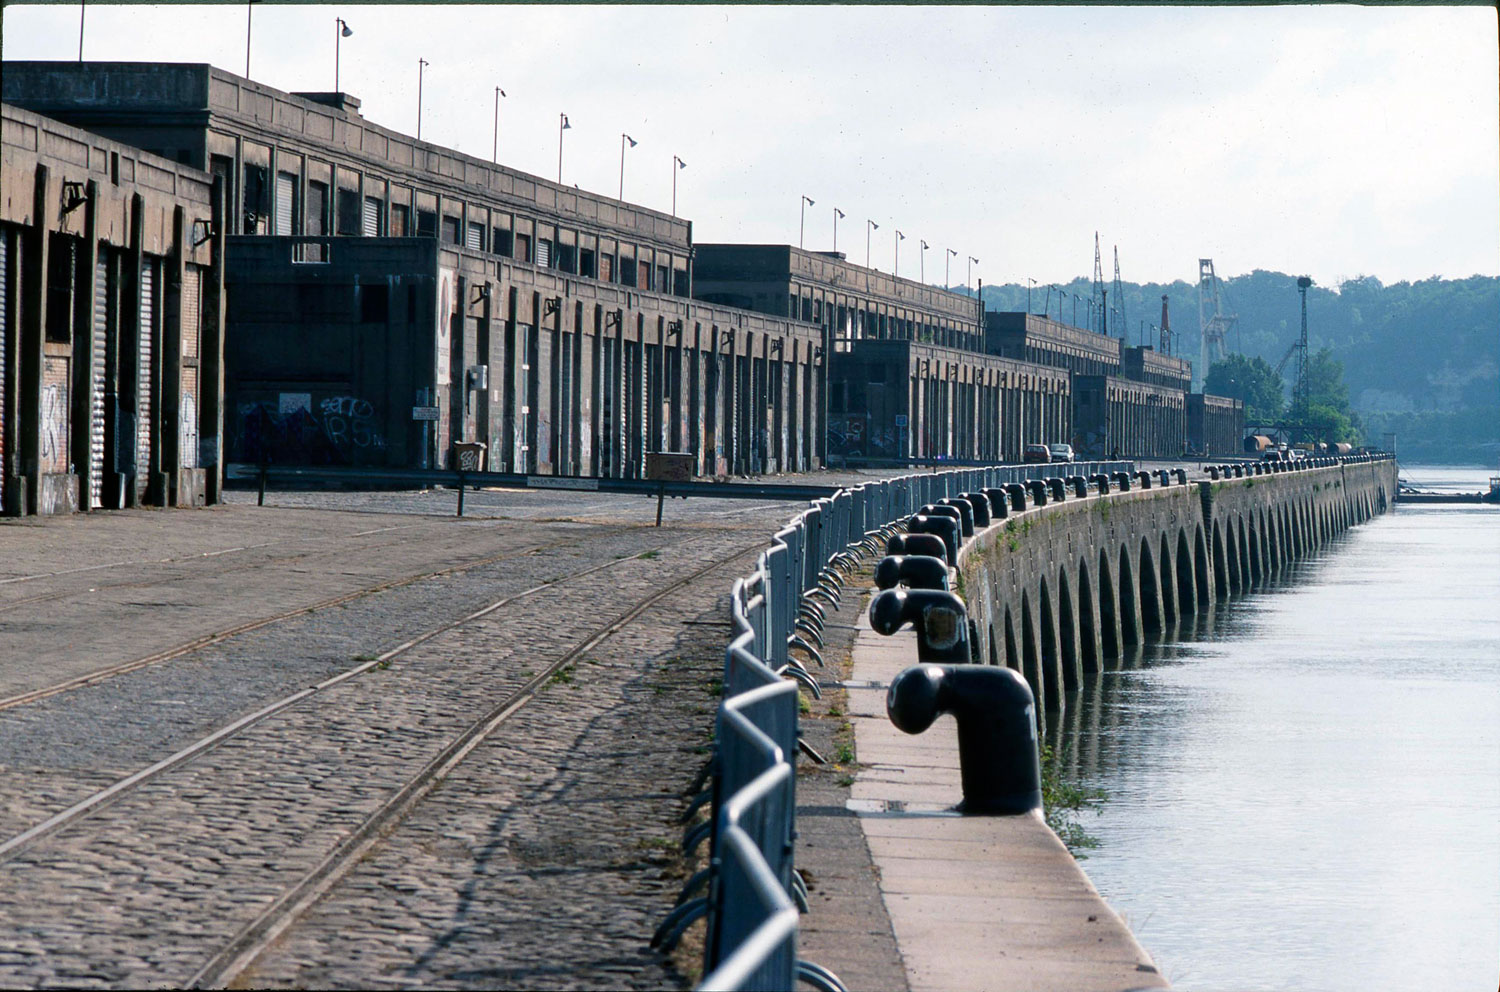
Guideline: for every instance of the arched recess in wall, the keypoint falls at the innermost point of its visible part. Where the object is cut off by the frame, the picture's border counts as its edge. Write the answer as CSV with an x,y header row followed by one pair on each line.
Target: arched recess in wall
x,y
1150,591
994,653
1051,670
1253,546
1221,561
1109,613
1012,654
1067,629
1031,662
1129,632
1088,636
1270,554
1170,612
1188,568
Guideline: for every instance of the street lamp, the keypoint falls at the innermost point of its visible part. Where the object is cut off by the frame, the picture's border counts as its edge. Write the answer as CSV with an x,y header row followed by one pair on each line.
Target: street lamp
x,y
495,152
896,265
562,125
970,277
340,32
1029,283
249,15
870,227
837,216
677,164
923,263
952,254
421,64
623,139
82,9
807,201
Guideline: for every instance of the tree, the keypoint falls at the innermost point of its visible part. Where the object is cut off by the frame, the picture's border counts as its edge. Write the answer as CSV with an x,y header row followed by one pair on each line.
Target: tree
x,y
1327,417
1251,380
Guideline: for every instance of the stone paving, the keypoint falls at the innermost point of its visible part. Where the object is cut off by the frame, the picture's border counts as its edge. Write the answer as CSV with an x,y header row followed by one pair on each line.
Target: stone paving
x,y
542,861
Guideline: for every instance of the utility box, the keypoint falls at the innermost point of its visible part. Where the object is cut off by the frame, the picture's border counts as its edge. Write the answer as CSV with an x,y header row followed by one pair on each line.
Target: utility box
x,y
468,456
669,466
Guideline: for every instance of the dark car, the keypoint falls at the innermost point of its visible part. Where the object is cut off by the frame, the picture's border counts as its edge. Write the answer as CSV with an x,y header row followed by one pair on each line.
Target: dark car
x,y
1036,453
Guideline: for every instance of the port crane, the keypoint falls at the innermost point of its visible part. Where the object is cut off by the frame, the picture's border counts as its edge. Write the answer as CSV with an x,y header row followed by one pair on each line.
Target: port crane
x,y
1213,323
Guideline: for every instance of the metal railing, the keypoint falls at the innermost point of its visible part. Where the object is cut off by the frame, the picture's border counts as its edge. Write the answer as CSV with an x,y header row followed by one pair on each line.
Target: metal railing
x,y
751,892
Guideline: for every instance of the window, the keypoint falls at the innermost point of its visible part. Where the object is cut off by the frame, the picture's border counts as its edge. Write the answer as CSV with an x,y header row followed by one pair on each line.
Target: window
x,y
523,248
662,282
503,243
567,258
426,224
317,209
450,230
475,239
586,264
61,266
645,282
286,203
400,219
347,219
256,196
680,282
606,268
543,252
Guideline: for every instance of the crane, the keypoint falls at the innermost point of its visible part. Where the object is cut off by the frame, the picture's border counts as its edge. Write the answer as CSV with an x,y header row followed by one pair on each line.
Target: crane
x,y
1100,293
1214,324
1119,296
1166,328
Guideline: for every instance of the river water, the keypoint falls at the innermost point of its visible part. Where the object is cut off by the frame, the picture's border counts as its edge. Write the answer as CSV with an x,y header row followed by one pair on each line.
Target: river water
x,y
1304,788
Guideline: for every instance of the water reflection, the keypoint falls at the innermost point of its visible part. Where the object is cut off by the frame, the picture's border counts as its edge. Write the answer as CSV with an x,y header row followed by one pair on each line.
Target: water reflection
x,y
1304,780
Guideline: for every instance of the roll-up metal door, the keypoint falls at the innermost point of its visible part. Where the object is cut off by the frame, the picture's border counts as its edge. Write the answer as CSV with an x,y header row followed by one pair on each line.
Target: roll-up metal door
x,y
286,199
370,219
192,322
96,382
143,377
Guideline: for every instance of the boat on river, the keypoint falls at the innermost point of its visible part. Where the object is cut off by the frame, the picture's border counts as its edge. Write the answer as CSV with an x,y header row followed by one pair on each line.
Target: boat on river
x,y
1406,493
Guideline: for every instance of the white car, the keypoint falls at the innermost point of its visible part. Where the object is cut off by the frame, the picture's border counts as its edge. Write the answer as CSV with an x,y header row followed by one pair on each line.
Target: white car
x,y
1060,452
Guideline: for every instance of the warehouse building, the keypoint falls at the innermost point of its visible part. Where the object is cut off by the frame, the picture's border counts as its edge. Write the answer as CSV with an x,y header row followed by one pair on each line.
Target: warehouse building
x,y
111,334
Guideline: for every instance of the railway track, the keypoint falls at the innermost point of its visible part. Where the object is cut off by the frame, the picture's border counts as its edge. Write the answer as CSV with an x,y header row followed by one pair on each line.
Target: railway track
x,y
215,637
250,941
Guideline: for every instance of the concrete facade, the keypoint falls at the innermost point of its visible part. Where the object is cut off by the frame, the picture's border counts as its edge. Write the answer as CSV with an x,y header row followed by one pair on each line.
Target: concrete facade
x,y
1148,365
111,326
1135,418
333,359
904,400
1029,337
1215,425
310,164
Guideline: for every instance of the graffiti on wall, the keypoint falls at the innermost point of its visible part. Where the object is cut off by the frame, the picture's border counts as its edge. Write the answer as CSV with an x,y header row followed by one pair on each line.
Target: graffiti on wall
x,y
295,430
54,448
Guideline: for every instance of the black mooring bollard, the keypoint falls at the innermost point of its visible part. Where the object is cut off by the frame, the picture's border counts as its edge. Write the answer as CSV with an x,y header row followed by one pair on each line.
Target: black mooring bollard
x,y
965,513
1038,490
912,571
945,528
917,544
997,739
980,504
1017,495
1101,482
1080,486
1058,489
1122,479
940,619
999,502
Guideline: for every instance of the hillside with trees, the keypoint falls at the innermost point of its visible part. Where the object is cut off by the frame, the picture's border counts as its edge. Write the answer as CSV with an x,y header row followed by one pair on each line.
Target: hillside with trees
x,y
1421,359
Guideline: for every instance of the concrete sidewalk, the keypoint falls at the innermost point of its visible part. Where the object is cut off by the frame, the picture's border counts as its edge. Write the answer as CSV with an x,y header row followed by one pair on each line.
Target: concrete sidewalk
x,y
976,902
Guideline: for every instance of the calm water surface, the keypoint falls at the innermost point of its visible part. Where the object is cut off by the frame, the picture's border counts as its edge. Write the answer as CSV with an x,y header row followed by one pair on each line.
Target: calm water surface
x,y
1305,787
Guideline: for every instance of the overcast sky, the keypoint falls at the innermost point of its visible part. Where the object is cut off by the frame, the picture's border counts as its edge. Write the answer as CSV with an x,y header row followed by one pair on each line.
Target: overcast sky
x,y
1335,141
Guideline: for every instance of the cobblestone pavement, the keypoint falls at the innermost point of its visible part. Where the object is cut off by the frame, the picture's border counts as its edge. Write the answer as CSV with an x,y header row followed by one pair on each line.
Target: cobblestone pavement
x,y
542,861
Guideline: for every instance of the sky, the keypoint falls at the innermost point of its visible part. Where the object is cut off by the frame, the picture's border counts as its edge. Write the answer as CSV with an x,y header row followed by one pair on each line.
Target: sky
x,y
1335,141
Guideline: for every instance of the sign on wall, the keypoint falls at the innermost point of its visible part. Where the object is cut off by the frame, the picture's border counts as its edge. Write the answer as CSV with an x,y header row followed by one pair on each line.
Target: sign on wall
x,y
447,279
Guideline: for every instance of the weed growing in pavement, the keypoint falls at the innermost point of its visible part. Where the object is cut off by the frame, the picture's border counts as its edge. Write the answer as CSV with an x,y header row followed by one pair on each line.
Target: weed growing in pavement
x,y
366,656
563,676
803,706
845,781
845,754
649,555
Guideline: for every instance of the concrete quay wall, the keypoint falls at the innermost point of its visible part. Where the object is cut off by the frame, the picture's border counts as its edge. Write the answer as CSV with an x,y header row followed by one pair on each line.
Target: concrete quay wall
x,y
1053,591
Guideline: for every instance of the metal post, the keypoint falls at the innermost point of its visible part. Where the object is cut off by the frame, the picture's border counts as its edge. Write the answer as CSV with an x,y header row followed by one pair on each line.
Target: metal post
x,y
661,495
249,11
421,64
461,488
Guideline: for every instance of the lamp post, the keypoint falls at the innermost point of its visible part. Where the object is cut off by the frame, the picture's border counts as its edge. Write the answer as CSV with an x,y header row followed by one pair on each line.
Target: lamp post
x,y
249,15
870,227
421,64
1029,283
677,164
922,263
896,264
837,216
623,139
495,150
807,201
82,8
970,277
946,259
562,125
1075,309
340,32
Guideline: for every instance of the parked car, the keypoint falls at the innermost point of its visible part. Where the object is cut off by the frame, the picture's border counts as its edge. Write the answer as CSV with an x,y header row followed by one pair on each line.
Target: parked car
x,y
1036,453
1060,452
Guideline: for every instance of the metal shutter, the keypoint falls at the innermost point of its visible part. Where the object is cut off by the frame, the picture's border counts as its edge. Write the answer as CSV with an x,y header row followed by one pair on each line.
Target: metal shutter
x,y
96,383
370,220
475,240
144,376
286,198
543,252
